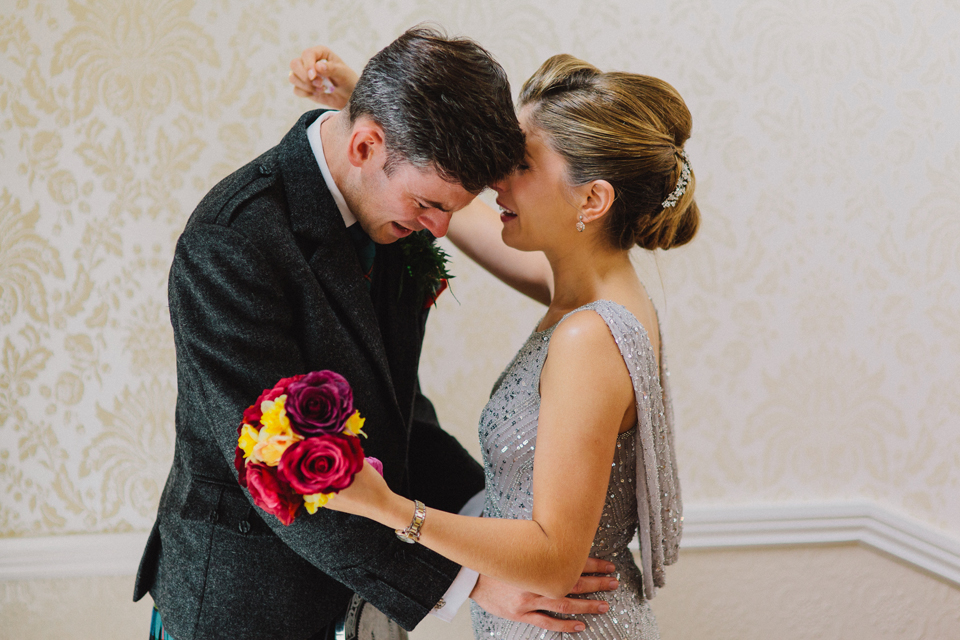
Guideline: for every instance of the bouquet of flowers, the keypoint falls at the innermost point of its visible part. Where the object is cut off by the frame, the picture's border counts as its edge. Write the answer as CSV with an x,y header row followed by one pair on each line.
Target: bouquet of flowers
x,y
298,444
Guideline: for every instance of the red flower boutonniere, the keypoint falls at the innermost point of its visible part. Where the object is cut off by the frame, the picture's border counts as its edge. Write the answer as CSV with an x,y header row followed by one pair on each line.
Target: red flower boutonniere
x,y
425,266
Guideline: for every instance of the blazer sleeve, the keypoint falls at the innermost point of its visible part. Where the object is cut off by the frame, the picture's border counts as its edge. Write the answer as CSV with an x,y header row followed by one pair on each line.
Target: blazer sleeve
x,y
234,328
442,473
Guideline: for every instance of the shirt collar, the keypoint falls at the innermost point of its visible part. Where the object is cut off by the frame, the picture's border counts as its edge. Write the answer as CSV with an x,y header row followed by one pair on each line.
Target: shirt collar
x,y
316,145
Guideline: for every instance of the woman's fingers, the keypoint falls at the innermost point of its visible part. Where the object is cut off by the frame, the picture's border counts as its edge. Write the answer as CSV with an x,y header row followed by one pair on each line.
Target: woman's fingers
x,y
298,73
320,75
338,73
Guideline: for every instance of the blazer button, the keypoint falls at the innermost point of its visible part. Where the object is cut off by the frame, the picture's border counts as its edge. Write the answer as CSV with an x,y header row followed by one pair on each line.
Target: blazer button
x,y
244,526
264,170
212,517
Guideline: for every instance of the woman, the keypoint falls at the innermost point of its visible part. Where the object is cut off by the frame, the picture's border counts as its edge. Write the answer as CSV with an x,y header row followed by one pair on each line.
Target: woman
x,y
577,437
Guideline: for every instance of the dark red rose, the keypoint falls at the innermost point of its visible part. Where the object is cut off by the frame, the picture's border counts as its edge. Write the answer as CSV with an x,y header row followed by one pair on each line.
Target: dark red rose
x,y
253,414
240,465
323,464
239,462
270,494
319,403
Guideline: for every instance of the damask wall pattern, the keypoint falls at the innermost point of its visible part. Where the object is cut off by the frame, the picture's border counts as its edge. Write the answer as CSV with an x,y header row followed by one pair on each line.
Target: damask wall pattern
x,y
813,328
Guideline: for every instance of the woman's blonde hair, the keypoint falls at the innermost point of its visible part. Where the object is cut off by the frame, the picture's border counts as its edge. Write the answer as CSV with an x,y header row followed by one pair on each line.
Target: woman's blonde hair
x,y
624,128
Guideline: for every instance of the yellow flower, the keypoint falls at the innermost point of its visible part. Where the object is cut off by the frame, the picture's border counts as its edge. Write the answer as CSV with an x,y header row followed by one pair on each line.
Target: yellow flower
x,y
316,500
270,449
248,439
275,433
274,420
354,424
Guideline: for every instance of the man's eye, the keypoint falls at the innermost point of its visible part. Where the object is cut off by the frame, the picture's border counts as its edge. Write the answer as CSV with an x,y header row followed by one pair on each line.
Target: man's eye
x,y
523,166
422,206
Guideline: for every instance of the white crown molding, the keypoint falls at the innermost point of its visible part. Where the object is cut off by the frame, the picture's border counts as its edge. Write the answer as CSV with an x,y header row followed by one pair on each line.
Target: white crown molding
x,y
705,527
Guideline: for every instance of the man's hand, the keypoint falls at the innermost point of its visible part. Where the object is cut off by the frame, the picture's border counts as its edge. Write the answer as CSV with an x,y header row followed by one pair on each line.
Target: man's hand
x,y
512,603
320,74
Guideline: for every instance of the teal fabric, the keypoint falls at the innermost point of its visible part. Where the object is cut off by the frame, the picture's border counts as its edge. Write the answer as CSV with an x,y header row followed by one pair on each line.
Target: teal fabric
x,y
156,627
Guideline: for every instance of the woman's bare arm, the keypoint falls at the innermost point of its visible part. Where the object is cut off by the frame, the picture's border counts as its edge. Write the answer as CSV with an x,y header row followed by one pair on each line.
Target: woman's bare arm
x,y
586,394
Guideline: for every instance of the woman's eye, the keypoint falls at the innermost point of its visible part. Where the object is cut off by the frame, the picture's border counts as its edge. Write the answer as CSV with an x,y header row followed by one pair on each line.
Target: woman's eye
x,y
523,166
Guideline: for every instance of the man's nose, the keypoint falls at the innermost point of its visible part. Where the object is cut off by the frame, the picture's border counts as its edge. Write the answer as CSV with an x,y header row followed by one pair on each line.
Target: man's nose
x,y
436,222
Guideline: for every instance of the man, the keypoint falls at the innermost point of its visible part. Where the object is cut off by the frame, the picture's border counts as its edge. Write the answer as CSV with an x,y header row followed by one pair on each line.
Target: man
x,y
274,276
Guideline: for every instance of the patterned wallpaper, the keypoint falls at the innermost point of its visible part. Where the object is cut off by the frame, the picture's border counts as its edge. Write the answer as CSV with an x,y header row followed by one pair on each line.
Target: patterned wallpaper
x,y
813,329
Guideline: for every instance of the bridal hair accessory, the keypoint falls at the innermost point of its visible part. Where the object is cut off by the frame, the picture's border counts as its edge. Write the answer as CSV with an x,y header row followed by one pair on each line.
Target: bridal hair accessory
x,y
298,444
682,182
411,534
580,225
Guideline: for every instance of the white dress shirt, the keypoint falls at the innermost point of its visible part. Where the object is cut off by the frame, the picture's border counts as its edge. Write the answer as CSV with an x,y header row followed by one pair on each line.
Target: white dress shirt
x,y
463,584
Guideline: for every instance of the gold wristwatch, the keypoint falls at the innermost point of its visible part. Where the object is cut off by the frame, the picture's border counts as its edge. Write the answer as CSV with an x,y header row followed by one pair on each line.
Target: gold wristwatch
x,y
411,534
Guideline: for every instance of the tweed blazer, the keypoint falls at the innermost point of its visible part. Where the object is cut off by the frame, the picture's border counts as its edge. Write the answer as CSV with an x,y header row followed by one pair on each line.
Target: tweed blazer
x,y
265,283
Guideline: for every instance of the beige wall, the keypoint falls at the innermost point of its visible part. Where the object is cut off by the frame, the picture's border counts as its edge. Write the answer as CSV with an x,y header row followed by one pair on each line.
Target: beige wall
x,y
813,328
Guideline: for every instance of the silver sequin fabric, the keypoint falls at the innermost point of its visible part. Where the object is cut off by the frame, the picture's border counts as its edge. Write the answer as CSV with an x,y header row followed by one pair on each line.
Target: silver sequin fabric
x,y
643,485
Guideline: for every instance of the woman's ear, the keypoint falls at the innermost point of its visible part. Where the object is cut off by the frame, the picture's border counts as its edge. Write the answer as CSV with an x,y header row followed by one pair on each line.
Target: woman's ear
x,y
598,197
365,142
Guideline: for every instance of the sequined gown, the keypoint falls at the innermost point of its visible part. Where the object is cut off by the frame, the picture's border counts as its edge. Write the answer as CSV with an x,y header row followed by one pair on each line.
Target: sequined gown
x,y
508,437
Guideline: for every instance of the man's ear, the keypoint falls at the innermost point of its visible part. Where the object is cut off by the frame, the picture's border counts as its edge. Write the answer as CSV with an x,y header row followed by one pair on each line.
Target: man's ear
x,y
366,142
597,198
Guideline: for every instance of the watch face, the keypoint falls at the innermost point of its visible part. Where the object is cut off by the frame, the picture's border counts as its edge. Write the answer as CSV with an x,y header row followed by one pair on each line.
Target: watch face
x,y
363,621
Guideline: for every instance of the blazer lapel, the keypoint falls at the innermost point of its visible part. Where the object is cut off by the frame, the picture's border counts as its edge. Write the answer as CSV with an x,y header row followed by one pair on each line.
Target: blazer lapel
x,y
317,222
400,318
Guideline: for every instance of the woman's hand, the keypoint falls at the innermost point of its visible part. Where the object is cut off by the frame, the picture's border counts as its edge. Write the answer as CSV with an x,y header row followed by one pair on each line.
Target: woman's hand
x,y
368,496
320,74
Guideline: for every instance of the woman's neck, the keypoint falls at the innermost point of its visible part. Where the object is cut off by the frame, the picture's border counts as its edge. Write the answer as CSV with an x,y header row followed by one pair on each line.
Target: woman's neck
x,y
586,275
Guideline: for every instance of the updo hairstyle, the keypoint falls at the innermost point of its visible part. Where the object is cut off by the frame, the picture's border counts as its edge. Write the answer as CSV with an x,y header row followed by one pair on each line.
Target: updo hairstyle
x,y
624,128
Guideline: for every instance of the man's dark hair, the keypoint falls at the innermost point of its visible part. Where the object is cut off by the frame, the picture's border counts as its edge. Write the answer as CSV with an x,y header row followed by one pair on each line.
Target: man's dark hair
x,y
444,103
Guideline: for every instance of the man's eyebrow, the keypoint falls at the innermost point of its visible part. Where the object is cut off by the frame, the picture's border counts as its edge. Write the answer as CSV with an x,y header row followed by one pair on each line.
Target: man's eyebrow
x,y
436,205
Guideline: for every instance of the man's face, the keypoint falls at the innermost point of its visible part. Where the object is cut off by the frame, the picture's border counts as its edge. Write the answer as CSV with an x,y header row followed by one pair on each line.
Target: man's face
x,y
410,199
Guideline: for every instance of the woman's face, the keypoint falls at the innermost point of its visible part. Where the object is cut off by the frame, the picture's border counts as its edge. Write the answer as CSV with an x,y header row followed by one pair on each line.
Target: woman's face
x,y
536,202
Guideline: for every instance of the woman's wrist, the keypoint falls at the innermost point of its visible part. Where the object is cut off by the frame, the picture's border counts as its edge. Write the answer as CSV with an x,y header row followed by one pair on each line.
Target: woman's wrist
x,y
397,512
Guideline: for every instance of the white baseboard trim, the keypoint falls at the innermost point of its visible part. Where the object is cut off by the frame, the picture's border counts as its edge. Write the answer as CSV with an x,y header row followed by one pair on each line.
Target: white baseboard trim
x,y
705,527
867,523
71,556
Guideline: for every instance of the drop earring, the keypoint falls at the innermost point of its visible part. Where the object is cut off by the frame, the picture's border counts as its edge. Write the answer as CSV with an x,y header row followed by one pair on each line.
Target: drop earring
x,y
580,225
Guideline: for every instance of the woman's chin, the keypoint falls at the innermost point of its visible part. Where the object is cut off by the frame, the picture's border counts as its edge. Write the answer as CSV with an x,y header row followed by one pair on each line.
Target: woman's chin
x,y
515,240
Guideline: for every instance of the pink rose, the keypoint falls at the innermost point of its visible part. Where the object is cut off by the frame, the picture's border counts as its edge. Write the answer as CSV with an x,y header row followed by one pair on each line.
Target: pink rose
x,y
376,464
270,494
323,464
319,403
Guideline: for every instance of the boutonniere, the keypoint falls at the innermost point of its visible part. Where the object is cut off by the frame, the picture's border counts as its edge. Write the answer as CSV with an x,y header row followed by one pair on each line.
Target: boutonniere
x,y
425,265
